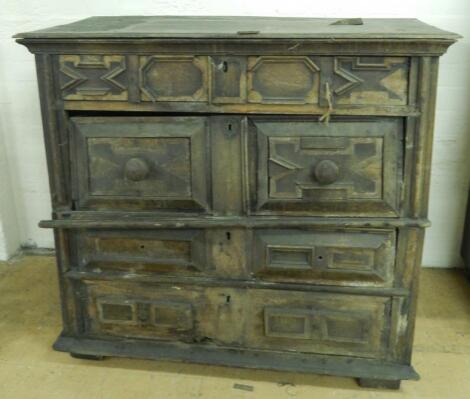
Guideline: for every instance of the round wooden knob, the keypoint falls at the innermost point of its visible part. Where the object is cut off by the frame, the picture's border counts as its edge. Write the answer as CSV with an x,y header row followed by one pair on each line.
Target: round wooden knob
x,y
136,169
326,172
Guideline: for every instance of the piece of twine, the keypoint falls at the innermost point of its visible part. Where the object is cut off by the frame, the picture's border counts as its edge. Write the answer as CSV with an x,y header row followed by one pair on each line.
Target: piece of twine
x,y
327,115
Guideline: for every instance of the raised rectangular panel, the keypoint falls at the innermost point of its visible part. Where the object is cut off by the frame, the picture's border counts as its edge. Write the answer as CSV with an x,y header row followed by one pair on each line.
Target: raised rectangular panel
x,y
283,79
172,315
117,312
300,166
347,327
146,251
141,163
174,78
289,257
93,77
352,258
370,80
339,257
288,323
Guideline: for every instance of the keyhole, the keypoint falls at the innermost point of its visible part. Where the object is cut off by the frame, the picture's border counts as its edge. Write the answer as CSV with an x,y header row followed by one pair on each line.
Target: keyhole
x,y
227,299
224,66
229,127
228,235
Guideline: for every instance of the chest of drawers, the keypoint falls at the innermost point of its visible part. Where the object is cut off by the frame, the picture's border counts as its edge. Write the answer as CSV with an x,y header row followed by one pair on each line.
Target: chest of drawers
x,y
240,191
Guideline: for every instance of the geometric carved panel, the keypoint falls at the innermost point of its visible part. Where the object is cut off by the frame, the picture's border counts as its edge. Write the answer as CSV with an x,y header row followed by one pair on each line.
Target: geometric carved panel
x,y
346,168
93,77
370,80
141,162
154,311
318,324
325,256
282,80
167,166
173,78
292,163
157,314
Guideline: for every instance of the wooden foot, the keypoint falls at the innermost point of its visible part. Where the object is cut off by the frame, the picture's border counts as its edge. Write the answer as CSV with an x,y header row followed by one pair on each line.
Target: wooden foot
x,y
86,357
379,384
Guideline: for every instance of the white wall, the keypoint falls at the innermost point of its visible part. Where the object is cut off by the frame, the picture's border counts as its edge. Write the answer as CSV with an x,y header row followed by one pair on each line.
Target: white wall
x,y
20,116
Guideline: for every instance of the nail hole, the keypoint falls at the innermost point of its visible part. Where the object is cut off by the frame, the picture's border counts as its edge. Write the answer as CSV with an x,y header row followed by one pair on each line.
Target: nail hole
x,y
228,235
320,257
225,66
142,246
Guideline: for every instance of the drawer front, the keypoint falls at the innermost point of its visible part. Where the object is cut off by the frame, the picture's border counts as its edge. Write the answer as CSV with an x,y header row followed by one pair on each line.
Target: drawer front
x,y
141,163
336,257
165,312
346,168
141,251
334,324
136,311
256,80
337,324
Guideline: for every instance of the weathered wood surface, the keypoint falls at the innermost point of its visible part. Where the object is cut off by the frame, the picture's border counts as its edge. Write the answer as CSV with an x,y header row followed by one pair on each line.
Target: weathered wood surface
x,y
214,26
209,354
183,217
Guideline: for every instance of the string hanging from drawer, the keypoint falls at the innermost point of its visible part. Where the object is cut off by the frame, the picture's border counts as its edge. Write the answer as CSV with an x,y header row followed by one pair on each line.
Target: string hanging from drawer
x,y
326,116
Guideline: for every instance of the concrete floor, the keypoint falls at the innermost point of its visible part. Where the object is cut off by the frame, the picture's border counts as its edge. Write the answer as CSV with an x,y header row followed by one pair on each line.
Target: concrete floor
x,y
29,368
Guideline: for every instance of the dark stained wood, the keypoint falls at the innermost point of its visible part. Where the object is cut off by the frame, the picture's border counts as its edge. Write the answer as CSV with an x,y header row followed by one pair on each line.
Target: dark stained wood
x,y
86,357
233,281
253,359
68,220
243,191
378,383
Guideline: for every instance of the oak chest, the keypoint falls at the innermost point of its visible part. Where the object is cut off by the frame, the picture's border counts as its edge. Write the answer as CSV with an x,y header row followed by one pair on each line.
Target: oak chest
x,y
240,191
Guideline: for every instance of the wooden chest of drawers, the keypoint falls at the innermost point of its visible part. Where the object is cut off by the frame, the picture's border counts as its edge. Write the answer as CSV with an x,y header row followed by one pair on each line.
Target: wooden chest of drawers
x,y
240,191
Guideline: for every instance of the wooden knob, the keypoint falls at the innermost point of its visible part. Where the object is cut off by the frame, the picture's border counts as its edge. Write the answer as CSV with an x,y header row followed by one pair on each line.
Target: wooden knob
x,y
326,172
136,169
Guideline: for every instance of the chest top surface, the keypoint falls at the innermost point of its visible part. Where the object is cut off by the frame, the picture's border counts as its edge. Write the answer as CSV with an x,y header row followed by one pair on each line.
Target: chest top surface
x,y
225,27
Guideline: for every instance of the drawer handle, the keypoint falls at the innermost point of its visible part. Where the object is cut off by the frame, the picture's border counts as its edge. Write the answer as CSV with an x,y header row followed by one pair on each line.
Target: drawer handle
x,y
136,169
326,172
